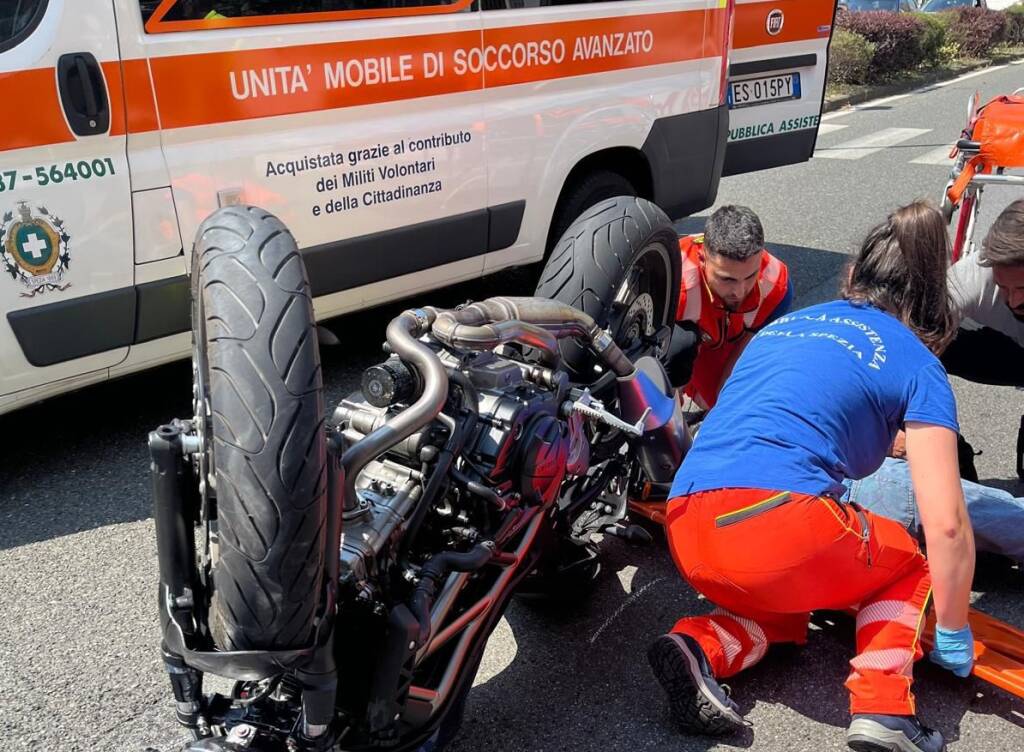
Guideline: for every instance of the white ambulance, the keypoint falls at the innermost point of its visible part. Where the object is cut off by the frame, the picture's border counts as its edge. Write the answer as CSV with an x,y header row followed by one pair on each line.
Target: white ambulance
x,y
408,144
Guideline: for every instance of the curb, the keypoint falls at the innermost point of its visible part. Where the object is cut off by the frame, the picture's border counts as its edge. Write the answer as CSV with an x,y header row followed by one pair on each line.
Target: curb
x,y
903,87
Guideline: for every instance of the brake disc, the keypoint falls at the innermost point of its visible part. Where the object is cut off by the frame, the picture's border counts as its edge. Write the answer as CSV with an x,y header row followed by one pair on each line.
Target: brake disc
x,y
638,323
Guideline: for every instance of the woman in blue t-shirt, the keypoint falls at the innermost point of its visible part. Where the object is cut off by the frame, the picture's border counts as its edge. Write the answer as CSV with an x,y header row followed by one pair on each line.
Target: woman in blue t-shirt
x,y
755,523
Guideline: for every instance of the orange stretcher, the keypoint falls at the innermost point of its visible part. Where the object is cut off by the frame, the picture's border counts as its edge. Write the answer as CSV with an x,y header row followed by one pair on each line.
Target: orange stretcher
x,y
998,651
989,149
998,647
995,139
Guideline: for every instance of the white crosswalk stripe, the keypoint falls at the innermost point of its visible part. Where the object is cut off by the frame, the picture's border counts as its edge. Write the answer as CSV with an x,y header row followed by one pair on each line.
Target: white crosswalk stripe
x,y
937,156
825,128
859,148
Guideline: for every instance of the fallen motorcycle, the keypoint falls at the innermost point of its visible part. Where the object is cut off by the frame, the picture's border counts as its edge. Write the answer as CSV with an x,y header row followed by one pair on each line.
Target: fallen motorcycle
x,y
345,570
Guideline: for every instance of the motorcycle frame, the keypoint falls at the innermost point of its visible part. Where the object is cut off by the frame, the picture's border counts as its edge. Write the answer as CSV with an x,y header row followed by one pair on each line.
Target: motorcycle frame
x,y
188,654
186,657
186,661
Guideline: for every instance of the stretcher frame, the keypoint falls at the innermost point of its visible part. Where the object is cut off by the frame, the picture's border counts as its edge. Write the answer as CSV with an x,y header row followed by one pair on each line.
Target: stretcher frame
x,y
968,201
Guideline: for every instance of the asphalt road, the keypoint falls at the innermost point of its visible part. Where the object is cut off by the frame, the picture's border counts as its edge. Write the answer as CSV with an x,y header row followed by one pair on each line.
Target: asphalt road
x,y
79,668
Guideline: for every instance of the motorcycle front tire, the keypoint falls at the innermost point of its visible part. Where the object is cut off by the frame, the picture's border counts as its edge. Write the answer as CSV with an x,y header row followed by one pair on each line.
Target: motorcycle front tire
x,y
257,367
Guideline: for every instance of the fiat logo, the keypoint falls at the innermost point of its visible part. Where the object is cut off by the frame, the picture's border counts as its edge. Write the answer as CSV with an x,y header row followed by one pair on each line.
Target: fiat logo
x,y
776,19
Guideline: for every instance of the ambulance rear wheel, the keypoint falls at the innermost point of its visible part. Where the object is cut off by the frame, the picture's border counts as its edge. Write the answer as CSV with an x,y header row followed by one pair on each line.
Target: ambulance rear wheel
x,y
619,263
597,186
260,410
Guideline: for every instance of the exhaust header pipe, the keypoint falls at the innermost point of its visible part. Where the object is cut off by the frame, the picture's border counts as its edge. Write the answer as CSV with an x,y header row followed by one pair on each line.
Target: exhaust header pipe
x,y
535,322
403,336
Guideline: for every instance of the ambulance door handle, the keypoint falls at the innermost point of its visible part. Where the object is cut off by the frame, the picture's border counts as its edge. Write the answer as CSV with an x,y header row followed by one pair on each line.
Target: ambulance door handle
x,y
83,93
91,109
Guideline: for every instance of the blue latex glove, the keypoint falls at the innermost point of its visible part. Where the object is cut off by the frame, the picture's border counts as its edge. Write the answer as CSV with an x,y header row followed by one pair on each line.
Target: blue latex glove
x,y
954,650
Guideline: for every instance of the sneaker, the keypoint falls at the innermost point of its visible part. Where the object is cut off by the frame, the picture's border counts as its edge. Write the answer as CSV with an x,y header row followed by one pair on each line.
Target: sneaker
x,y
892,733
699,703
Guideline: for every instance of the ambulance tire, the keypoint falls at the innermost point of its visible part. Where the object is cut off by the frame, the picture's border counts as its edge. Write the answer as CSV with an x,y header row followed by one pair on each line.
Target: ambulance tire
x,y
256,348
617,241
597,186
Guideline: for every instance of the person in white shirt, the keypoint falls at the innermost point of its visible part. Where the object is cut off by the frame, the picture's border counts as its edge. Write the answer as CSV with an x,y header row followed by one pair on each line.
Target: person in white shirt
x,y
988,287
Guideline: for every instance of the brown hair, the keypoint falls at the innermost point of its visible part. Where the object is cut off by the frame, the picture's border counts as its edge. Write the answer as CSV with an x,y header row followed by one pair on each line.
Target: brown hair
x,y
901,268
1004,244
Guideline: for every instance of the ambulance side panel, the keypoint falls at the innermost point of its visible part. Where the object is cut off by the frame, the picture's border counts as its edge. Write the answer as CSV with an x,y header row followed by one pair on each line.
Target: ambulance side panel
x,y
66,274
405,153
357,134
775,42
643,87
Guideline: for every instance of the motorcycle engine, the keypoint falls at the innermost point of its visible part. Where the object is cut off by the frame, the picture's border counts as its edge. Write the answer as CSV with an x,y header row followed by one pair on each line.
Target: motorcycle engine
x,y
522,438
521,450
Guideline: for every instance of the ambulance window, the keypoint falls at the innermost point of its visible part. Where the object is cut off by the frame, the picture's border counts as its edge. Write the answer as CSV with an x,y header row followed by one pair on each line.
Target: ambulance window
x,y
18,19
185,15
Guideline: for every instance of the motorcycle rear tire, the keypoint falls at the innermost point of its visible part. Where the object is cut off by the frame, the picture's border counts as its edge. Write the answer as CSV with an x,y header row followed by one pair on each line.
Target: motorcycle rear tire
x,y
618,241
256,353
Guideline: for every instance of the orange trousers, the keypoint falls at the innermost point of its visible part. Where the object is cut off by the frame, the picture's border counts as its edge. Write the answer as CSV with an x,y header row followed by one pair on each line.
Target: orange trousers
x,y
769,558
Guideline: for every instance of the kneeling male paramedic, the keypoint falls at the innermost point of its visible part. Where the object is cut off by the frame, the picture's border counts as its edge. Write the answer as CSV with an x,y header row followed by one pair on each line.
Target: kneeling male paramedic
x,y
732,287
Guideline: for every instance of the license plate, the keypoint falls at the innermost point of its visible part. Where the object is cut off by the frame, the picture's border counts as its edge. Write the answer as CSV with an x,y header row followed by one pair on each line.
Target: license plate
x,y
753,91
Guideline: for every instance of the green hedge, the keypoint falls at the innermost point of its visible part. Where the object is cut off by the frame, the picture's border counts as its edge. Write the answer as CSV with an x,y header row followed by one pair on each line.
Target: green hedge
x,y
874,46
1015,24
935,42
849,58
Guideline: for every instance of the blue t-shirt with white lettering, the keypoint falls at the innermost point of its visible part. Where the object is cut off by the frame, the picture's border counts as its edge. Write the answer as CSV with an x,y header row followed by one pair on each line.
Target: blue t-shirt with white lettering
x,y
815,398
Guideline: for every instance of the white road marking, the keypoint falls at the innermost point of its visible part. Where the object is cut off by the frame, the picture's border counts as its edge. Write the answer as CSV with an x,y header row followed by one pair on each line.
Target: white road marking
x,y
861,147
826,128
938,156
863,106
922,90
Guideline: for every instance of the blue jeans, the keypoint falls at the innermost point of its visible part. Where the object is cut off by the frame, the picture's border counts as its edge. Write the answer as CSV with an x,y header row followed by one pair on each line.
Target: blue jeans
x,y
996,515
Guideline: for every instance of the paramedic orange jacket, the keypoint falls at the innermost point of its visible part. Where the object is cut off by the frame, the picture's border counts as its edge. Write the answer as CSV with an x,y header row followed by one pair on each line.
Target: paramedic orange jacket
x,y
722,332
